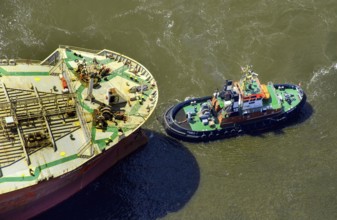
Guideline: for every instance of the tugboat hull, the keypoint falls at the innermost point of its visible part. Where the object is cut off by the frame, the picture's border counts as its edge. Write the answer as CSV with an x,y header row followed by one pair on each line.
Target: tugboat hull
x,y
260,124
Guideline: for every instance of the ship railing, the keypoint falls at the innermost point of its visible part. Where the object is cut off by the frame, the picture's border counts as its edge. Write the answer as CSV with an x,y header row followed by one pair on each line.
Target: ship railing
x,y
57,65
27,61
300,92
83,122
78,48
52,59
85,147
79,111
132,64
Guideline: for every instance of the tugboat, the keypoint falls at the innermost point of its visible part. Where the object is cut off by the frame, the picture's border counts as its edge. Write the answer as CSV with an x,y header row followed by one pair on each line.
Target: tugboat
x,y
246,106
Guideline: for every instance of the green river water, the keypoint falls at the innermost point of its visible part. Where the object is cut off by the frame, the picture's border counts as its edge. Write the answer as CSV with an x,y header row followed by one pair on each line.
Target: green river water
x,y
191,47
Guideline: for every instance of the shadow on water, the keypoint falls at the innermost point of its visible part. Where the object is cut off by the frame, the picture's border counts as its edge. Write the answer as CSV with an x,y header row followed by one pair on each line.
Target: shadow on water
x,y
155,180
305,114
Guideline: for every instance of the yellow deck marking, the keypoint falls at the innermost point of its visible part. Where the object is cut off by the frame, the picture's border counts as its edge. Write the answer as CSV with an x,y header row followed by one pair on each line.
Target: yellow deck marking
x,y
77,123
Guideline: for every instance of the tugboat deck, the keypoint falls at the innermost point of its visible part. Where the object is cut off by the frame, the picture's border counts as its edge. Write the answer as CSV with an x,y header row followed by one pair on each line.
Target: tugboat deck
x,y
280,98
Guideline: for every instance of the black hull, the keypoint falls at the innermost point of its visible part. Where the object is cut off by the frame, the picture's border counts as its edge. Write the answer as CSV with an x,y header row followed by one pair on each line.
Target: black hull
x,y
247,127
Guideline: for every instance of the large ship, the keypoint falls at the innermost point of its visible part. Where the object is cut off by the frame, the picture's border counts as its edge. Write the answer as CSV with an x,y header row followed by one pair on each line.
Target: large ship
x,y
66,120
246,106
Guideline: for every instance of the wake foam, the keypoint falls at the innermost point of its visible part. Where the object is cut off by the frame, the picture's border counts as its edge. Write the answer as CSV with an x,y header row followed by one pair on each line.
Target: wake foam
x,y
322,84
321,73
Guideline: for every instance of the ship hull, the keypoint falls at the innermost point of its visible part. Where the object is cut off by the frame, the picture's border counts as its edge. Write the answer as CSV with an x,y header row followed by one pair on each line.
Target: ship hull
x,y
31,201
258,125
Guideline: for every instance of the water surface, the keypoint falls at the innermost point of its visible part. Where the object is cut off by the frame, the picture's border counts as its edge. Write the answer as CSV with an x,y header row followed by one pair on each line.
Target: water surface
x,y
191,47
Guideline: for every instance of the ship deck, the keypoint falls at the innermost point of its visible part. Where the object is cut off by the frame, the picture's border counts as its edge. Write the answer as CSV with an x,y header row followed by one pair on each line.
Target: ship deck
x,y
293,96
196,124
45,132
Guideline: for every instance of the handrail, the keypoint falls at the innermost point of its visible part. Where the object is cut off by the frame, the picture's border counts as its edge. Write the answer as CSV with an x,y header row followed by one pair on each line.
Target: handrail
x,y
78,109
27,61
57,65
84,147
78,48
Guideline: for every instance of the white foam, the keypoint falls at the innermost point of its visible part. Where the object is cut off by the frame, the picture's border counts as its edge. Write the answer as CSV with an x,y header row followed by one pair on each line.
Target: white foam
x,y
321,73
